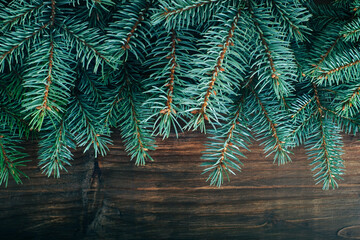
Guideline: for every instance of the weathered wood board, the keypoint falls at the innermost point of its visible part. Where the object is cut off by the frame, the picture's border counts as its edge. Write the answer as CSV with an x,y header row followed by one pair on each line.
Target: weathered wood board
x,y
169,199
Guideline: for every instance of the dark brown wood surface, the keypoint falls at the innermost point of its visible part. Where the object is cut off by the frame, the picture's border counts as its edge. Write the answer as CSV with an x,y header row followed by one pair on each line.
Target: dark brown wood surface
x,y
169,199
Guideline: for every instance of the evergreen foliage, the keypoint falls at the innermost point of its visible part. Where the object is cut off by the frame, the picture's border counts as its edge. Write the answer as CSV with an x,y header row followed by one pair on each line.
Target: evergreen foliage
x,y
284,72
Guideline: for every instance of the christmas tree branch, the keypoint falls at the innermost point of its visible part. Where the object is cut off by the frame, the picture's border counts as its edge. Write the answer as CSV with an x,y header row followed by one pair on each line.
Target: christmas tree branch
x,y
324,56
170,84
11,20
13,48
279,143
201,113
317,99
55,148
223,149
110,112
10,159
291,21
274,74
134,27
305,104
86,127
327,168
168,12
285,16
141,153
44,105
340,68
327,160
18,120
351,100
220,162
128,33
85,43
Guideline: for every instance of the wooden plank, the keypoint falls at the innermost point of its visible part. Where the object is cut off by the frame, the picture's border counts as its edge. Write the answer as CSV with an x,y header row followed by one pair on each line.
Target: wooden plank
x,y
169,198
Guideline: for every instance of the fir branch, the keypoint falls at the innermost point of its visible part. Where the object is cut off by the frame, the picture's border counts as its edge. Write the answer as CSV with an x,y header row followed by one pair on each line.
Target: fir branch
x,y
218,68
44,106
50,53
279,144
170,84
227,142
85,43
317,99
169,67
351,100
128,33
134,117
324,145
49,65
48,82
134,27
224,146
55,148
140,148
112,111
293,18
91,84
326,152
10,21
168,12
324,56
180,13
351,31
355,7
286,18
200,114
297,134
10,159
11,117
274,74
86,127
304,105
326,14
329,176
327,73
93,5
4,155
15,116
121,109
53,12
14,84
6,53
276,54
347,124
304,112
14,121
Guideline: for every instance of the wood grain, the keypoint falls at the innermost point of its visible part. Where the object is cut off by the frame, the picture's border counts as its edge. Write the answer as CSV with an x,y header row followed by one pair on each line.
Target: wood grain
x,y
169,199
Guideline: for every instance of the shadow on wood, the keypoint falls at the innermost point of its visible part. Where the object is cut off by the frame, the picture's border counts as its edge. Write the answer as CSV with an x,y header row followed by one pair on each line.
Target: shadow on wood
x,y
169,199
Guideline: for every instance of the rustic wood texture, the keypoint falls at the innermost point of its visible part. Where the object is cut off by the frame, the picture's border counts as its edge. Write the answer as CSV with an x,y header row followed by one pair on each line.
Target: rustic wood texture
x,y
169,199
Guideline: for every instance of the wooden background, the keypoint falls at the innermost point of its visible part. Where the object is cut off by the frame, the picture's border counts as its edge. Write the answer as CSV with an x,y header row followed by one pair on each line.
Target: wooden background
x,y
169,199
